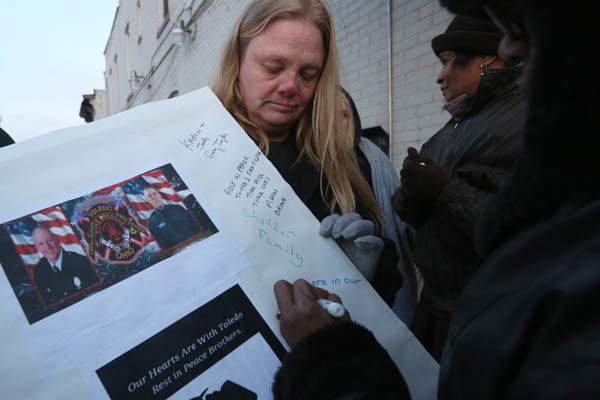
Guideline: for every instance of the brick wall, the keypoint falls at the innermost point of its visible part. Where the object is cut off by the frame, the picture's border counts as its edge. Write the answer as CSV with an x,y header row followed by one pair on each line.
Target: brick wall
x,y
362,29
417,112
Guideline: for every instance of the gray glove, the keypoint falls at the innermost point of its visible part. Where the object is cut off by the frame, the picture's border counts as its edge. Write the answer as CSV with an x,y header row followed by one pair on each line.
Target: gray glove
x,y
356,238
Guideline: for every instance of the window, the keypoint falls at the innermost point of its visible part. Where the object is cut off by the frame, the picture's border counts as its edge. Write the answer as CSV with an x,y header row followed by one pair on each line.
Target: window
x,y
115,58
127,29
138,13
165,8
163,15
126,53
174,93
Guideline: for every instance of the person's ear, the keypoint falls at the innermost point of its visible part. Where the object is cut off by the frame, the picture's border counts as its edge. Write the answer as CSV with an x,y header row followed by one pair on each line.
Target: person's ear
x,y
487,61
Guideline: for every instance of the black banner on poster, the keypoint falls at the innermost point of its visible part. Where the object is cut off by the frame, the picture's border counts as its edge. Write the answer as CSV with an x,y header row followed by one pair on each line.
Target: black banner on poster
x,y
169,360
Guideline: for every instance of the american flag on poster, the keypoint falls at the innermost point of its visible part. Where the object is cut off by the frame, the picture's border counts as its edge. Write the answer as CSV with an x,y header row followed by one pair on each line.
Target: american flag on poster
x,y
21,232
134,192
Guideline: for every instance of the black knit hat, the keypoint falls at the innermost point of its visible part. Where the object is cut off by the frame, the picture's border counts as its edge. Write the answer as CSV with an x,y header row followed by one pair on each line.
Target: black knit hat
x,y
474,7
467,34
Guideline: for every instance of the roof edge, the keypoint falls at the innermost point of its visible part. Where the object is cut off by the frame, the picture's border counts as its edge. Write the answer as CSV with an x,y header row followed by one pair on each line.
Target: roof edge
x,y
112,28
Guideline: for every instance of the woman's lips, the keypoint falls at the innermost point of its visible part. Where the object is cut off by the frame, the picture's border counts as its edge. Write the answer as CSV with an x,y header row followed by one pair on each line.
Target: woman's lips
x,y
284,106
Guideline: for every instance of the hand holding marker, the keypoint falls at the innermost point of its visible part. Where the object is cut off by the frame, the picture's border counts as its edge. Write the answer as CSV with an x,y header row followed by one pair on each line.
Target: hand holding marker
x,y
336,310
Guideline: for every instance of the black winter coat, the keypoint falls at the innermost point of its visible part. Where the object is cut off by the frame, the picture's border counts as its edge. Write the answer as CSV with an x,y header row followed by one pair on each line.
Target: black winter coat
x,y
525,327
5,138
478,147
343,359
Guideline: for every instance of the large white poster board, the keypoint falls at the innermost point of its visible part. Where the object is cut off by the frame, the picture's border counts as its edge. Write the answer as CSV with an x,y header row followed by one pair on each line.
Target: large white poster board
x,y
147,307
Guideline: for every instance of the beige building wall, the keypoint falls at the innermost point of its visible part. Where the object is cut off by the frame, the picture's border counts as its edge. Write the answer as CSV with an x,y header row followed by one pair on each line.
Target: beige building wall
x,y
99,103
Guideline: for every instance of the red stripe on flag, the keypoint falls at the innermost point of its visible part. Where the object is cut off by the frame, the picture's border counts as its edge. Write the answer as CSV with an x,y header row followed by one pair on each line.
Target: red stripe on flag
x,y
26,249
68,239
171,197
155,173
50,210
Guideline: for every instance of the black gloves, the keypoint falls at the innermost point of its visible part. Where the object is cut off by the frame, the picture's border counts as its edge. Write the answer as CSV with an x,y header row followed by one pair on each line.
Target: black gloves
x,y
421,181
421,178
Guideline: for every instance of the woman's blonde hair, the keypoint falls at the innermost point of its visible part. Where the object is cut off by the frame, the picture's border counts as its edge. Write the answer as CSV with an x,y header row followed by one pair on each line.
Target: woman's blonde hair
x,y
320,133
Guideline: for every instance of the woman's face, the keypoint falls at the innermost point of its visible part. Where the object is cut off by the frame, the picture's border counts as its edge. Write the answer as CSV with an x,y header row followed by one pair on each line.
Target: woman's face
x,y
456,80
279,73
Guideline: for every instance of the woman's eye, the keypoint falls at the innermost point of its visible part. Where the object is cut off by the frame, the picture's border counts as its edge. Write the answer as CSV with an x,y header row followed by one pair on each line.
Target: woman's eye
x,y
272,69
308,77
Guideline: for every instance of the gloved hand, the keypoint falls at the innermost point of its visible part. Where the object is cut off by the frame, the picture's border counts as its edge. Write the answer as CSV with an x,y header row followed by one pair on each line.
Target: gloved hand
x,y
409,209
421,179
356,238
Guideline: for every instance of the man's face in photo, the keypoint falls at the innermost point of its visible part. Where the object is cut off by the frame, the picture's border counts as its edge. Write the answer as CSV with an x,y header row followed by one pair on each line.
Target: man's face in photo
x,y
46,243
153,197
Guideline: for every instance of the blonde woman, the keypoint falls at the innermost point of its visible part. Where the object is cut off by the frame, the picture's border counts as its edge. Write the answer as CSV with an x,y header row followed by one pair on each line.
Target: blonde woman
x,y
279,78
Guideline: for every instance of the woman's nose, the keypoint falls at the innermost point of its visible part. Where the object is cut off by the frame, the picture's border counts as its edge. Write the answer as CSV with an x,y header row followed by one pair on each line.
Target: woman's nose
x,y
441,76
288,86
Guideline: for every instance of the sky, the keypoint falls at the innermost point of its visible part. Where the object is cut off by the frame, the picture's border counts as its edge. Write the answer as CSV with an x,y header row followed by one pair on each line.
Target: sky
x,y
51,53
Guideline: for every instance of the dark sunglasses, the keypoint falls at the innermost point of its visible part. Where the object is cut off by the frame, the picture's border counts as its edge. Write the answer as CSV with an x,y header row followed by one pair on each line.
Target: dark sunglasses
x,y
507,19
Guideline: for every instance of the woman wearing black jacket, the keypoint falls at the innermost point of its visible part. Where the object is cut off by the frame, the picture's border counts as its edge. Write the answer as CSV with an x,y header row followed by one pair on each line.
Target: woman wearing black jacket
x,y
459,168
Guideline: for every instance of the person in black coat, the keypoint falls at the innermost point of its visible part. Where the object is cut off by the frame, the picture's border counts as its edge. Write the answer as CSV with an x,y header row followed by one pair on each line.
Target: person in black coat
x,y
60,273
5,138
445,185
524,326
170,224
